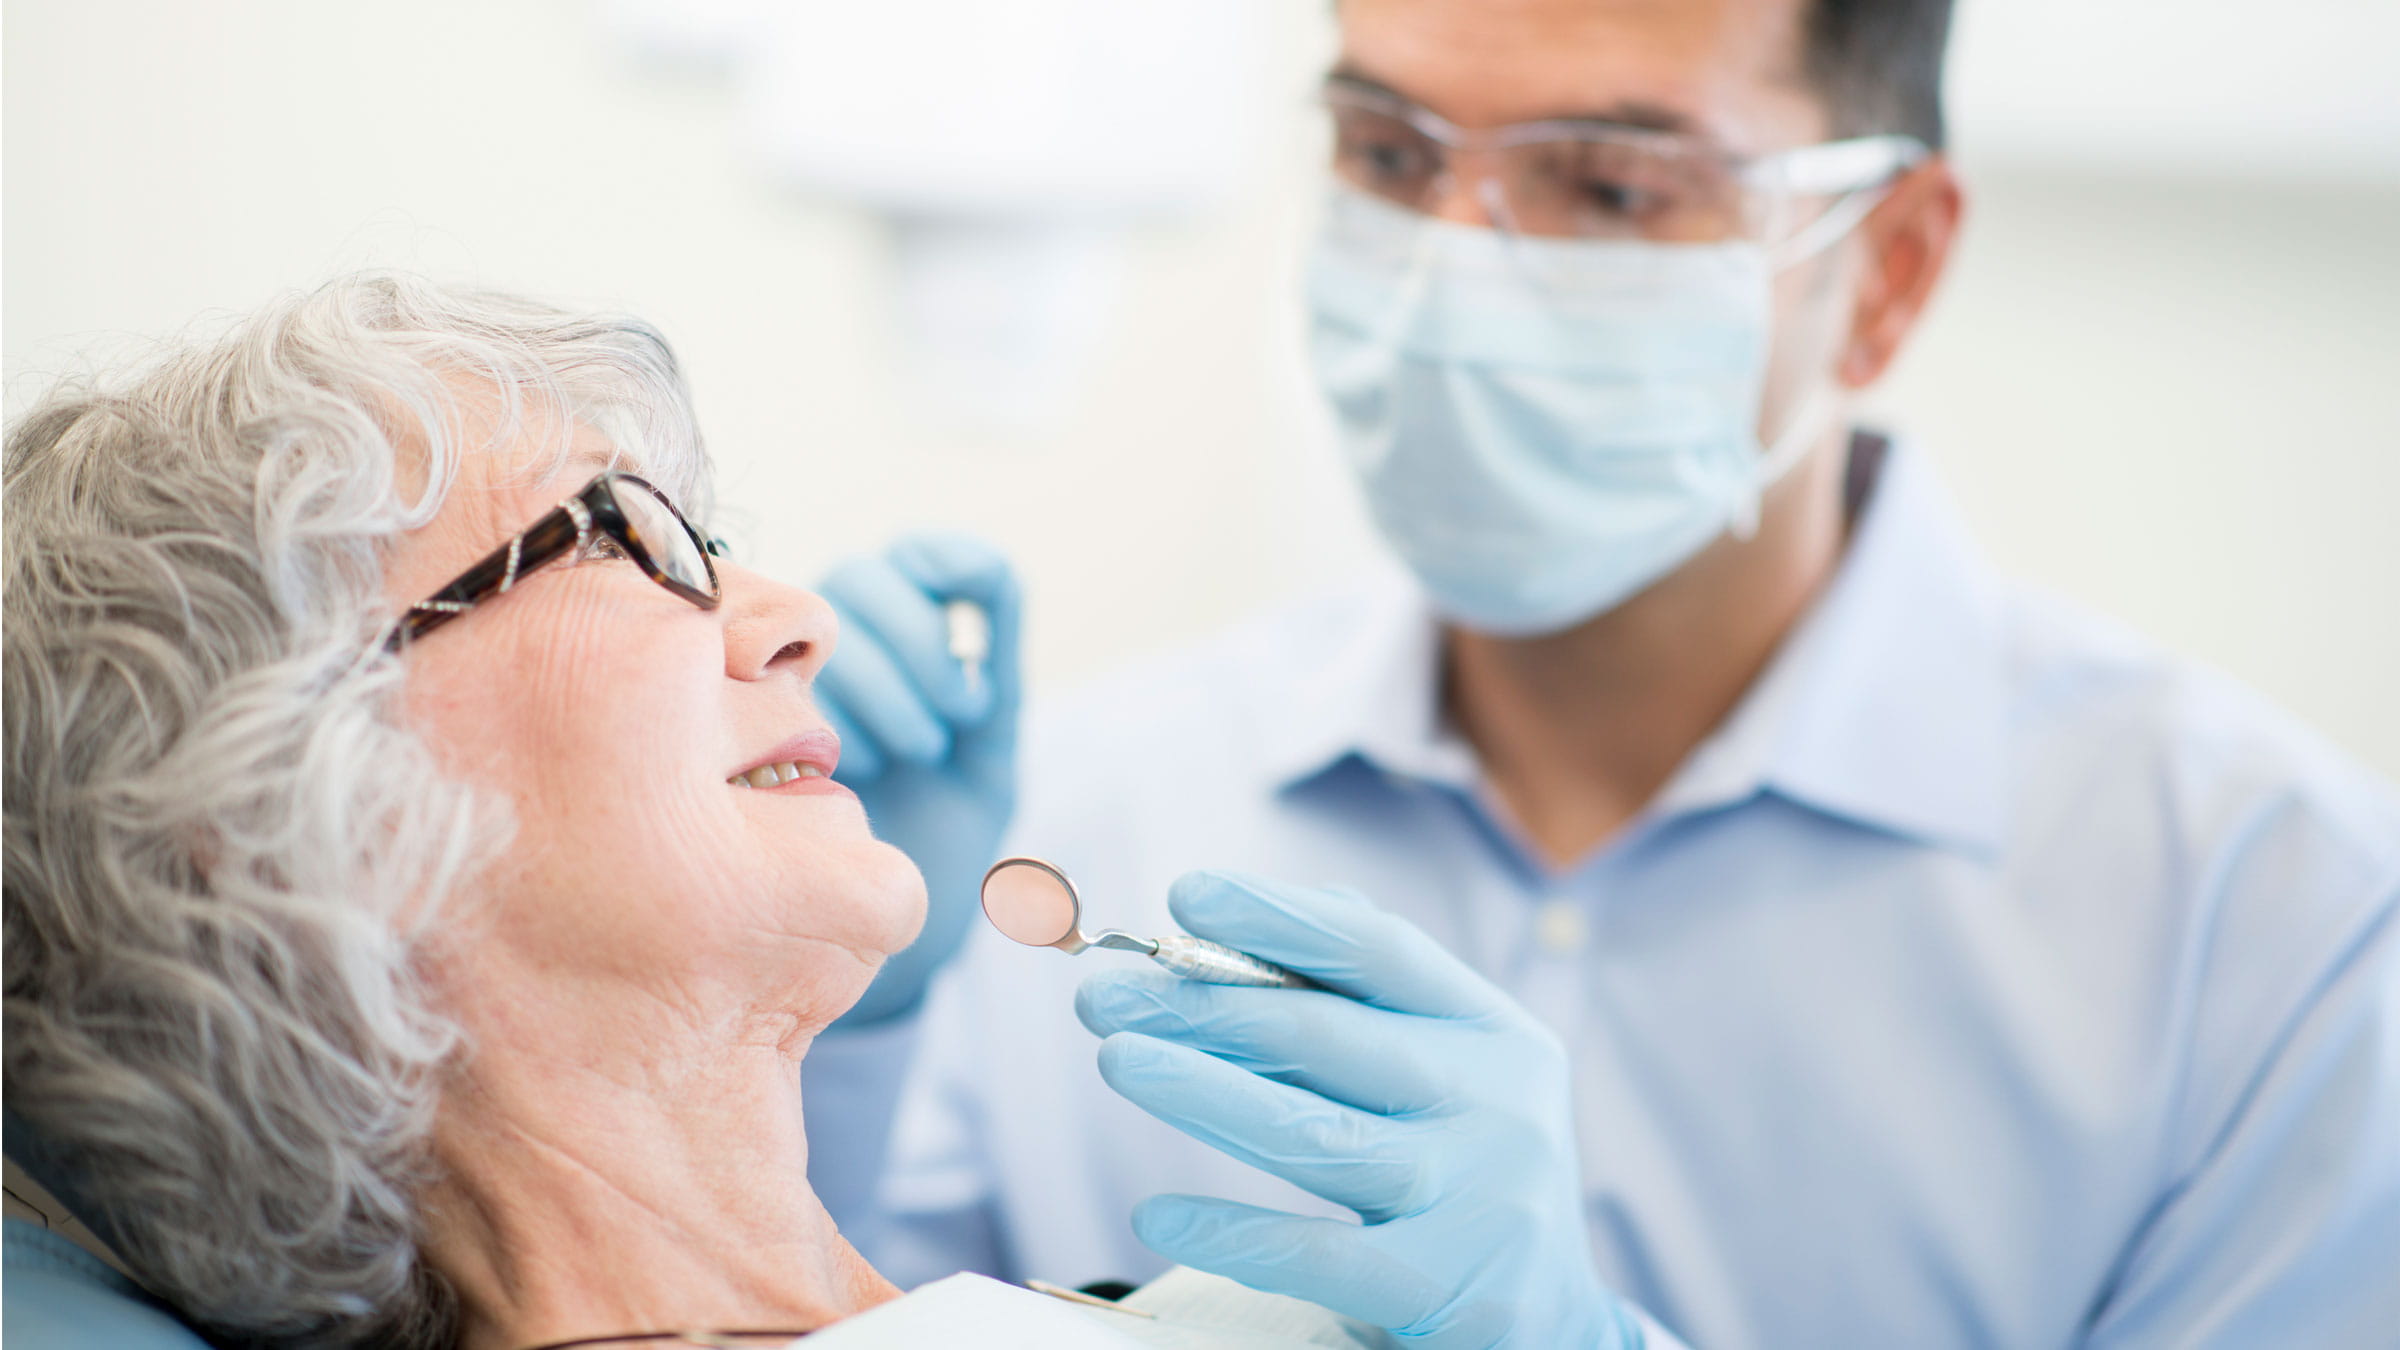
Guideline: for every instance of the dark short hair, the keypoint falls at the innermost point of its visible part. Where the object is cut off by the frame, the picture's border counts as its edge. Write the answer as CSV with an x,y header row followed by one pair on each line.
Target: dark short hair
x,y
1879,64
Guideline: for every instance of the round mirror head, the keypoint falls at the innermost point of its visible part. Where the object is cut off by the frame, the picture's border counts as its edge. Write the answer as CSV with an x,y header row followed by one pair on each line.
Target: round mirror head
x,y
1030,901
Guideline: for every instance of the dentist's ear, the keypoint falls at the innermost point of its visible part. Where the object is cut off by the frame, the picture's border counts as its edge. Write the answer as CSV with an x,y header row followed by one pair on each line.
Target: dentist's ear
x,y
1908,239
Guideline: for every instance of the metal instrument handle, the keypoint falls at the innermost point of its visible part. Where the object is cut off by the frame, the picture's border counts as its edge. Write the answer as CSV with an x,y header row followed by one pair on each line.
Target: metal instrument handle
x,y
1215,963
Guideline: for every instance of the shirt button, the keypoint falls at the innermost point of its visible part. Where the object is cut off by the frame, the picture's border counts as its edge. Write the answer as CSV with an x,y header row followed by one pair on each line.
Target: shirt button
x,y
1560,928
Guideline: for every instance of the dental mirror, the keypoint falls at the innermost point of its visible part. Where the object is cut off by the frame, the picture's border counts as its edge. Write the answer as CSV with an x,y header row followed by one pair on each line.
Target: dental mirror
x,y
1032,902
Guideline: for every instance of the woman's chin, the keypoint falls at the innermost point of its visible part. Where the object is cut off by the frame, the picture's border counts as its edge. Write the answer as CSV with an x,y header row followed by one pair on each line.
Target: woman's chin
x,y
903,887
869,898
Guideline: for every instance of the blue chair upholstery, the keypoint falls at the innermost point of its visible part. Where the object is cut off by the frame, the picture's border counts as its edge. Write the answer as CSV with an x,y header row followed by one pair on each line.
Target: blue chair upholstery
x,y
58,1296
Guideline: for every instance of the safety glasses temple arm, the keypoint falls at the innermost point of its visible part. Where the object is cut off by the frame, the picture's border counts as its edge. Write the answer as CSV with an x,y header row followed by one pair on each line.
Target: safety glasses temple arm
x,y
1836,166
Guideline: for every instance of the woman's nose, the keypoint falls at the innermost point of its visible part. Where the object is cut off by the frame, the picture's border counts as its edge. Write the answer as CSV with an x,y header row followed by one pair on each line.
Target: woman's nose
x,y
772,629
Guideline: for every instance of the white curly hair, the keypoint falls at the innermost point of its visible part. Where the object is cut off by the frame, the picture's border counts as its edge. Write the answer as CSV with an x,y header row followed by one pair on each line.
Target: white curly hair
x,y
220,839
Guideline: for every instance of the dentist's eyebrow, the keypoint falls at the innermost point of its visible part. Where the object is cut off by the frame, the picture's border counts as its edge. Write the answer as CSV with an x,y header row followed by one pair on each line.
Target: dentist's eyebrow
x,y
1628,113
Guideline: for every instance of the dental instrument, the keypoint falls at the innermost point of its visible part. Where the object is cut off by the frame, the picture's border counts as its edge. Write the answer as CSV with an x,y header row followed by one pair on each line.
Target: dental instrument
x,y
970,636
1032,902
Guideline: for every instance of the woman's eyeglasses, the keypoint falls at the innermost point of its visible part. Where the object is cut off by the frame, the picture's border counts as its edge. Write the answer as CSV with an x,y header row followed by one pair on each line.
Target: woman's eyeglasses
x,y
614,510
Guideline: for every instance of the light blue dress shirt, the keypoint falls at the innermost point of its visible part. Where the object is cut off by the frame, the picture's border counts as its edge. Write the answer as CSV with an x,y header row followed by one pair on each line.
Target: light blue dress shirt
x,y
1987,979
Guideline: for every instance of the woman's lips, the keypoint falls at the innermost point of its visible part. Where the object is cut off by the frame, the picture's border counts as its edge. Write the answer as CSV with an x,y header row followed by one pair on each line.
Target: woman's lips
x,y
802,765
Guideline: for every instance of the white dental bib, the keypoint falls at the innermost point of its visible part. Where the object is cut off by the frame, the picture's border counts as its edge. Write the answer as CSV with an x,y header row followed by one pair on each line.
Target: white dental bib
x,y
1189,1310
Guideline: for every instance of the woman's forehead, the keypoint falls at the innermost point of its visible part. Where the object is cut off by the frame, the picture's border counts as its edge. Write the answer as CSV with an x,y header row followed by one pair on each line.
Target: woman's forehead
x,y
498,434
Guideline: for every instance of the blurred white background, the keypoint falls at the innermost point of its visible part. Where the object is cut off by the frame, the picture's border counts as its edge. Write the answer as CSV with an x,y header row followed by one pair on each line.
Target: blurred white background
x,y
2164,376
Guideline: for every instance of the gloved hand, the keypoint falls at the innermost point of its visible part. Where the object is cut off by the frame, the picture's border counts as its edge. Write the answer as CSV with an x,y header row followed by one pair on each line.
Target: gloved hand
x,y
931,754
1414,1092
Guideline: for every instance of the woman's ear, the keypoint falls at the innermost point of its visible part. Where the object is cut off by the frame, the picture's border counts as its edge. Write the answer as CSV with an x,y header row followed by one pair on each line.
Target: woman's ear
x,y
1908,238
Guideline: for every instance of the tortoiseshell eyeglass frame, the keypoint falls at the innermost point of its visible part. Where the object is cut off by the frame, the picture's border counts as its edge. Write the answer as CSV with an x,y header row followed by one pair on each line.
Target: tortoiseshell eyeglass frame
x,y
568,529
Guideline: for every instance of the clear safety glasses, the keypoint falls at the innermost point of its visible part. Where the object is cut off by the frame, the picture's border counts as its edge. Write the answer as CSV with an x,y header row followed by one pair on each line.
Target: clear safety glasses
x,y
1574,179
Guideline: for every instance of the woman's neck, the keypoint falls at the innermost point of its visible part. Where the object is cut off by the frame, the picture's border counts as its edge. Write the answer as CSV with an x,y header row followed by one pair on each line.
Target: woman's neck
x,y
578,1197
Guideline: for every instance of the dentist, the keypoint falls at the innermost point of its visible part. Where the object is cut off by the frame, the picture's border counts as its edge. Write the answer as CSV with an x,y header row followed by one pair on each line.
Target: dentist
x,y
1892,955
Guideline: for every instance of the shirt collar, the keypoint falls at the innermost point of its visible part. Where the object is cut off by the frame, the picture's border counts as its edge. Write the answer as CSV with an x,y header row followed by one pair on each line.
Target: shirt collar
x,y
1887,704
1884,706
1376,695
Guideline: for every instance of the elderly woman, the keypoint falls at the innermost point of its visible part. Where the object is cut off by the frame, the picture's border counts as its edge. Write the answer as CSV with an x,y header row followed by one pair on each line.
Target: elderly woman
x,y
425,874
419,892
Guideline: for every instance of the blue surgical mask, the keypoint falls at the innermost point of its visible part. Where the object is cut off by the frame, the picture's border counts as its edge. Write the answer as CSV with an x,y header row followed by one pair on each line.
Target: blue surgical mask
x,y
1545,427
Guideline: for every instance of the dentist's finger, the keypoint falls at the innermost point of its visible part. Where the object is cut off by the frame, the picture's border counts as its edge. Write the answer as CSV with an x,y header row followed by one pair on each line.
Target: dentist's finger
x,y
907,617
865,682
1325,1261
962,567
1337,938
1346,1155
959,567
1370,1058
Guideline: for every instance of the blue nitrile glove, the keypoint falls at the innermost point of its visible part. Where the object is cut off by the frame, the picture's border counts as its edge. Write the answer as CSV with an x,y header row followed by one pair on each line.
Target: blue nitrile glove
x,y
931,754
1415,1093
